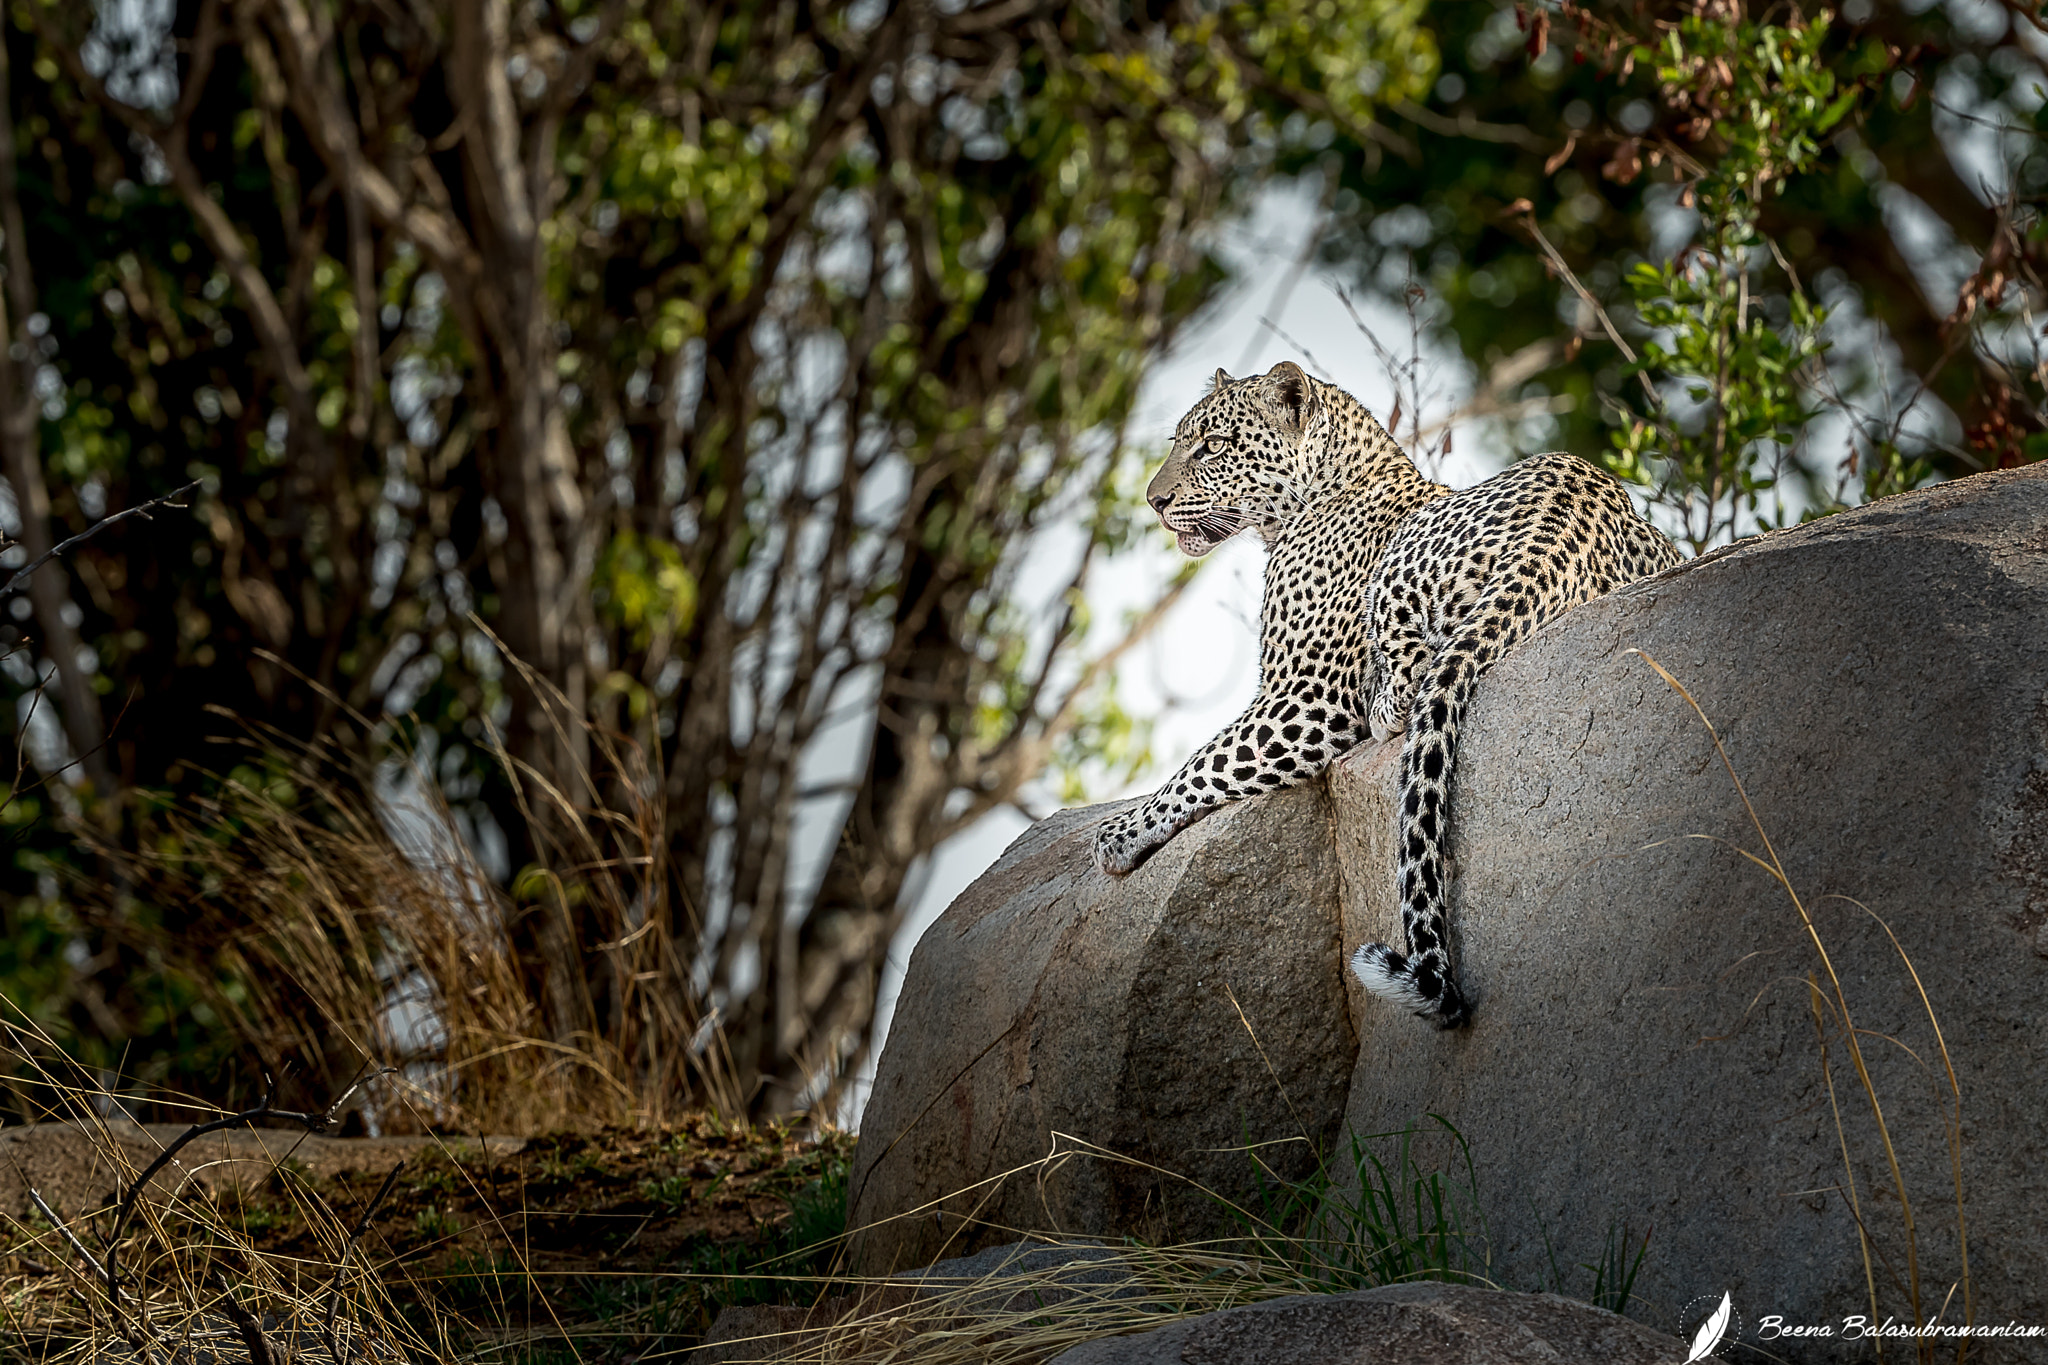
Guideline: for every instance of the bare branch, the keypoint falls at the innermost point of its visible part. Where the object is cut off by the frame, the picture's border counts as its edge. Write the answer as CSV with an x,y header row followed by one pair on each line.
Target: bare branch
x,y
125,1206
245,1322
341,1266
332,130
1526,212
1466,126
22,575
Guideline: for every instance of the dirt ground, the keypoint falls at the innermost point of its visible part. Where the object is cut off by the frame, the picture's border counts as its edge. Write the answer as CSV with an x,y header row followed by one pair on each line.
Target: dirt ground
x,y
76,1170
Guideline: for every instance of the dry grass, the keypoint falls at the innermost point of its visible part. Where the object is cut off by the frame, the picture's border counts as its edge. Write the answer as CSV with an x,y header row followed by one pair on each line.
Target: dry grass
x,y
159,1271
1019,1318
1076,1290
377,955
610,1247
1391,1221
348,932
196,1278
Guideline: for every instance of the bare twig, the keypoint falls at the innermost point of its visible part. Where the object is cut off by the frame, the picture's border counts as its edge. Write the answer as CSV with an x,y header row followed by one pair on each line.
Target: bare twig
x,y
1306,354
50,1214
27,571
121,1322
334,1286
1465,125
245,1323
267,1110
1527,213
1406,379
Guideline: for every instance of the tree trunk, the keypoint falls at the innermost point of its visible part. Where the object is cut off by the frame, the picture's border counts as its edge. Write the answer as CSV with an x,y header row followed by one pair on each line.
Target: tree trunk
x,y
21,451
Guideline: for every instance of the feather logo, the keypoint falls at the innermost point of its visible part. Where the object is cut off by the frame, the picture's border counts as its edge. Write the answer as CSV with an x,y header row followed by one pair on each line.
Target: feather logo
x,y
1711,1331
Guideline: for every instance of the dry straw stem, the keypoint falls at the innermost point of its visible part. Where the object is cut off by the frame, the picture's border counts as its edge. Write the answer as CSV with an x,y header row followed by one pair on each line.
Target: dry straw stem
x,y
1837,999
1827,1072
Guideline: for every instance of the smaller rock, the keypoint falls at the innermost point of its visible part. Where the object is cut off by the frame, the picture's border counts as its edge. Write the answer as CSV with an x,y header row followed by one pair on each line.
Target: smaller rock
x,y
1443,1324
765,1332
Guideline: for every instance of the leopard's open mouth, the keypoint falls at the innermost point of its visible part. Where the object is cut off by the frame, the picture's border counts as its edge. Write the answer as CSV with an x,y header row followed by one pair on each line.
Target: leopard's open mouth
x,y
1199,535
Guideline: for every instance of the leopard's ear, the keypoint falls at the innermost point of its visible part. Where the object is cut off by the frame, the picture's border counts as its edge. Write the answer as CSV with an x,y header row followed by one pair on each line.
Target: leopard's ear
x,y
1222,381
1292,396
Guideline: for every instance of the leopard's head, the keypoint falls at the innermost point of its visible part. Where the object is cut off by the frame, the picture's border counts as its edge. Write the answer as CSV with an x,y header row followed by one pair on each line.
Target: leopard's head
x,y
1236,459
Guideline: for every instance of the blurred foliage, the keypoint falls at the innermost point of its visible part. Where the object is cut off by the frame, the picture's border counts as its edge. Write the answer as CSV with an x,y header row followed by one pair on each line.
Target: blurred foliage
x,y
1730,392
1827,219
695,376
1730,386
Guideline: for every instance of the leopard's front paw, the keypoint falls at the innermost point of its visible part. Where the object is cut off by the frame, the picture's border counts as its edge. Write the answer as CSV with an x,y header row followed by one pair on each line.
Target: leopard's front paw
x,y
1124,841
1389,718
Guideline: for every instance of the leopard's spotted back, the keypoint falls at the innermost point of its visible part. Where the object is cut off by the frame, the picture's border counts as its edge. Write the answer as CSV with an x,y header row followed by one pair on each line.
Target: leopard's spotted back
x,y
1386,598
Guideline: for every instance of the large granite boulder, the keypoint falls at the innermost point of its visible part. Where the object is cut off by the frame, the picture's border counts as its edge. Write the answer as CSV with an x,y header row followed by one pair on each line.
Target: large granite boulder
x,y
1644,1055
1172,1017
1647,1055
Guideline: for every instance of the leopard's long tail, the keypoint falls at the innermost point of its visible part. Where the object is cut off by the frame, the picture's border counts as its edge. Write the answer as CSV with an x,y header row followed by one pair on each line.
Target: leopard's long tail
x,y
1424,978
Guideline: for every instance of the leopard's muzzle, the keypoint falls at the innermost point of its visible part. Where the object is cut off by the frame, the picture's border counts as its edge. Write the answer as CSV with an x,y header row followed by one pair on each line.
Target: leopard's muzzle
x,y
1200,532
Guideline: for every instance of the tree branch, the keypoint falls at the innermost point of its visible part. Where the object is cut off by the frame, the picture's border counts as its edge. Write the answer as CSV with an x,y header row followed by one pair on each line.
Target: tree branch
x,y
22,575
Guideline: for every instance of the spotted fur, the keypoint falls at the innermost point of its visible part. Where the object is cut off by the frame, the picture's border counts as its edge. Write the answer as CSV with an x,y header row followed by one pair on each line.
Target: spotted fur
x,y
1387,596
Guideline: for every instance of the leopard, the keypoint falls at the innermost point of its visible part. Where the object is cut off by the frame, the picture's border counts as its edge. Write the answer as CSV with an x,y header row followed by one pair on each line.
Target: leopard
x,y
1387,596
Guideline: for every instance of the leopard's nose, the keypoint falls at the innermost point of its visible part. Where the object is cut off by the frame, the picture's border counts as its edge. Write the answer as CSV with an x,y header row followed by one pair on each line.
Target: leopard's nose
x,y
1159,502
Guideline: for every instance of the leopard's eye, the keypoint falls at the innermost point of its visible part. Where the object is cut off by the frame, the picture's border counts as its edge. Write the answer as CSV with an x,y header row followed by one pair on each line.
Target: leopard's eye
x,y
1213,444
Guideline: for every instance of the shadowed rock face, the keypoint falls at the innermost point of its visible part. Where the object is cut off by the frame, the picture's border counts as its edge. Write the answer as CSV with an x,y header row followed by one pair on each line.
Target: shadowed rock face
x,y
1051,999
1644,1052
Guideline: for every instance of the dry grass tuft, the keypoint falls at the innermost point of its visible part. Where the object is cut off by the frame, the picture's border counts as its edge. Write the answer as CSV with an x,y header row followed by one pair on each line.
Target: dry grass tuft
x,y
338,916
1394,1222
157,1271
